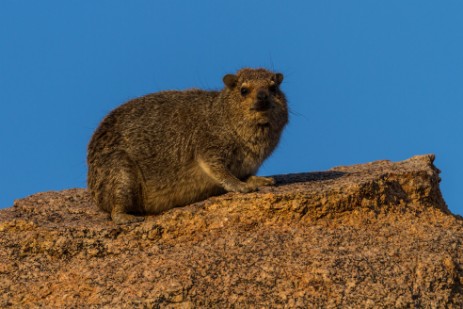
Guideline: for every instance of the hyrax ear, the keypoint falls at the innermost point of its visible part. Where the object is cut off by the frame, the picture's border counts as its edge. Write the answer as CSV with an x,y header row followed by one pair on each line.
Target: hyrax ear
x,y
278,78
230,80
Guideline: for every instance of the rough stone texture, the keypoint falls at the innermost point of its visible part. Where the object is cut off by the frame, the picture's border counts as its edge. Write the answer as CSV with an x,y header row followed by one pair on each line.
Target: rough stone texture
x,y
370,235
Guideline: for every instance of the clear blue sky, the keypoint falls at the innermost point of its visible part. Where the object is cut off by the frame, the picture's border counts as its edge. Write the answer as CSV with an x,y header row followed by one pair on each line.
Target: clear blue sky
x,y
366,80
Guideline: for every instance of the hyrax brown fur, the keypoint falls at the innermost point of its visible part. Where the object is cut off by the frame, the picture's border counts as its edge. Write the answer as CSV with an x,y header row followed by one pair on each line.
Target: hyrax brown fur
x,y
174,148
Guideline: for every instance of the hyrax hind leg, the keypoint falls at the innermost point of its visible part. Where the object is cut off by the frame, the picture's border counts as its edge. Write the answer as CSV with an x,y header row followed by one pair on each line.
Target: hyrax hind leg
x,y
123,189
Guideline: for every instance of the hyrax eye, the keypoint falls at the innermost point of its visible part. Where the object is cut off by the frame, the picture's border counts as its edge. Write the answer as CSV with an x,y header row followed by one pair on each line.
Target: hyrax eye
x,y
273,88
244,91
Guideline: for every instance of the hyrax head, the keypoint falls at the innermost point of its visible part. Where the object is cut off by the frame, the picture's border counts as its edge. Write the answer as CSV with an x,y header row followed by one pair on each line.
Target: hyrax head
x,y
257,94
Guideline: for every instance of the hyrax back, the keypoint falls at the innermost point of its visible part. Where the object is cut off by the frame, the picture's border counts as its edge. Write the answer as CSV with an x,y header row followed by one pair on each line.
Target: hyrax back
x,y
173,148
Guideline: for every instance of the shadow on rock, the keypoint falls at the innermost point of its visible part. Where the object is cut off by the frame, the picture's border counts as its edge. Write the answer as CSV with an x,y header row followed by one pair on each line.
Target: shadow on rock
x,y
307,177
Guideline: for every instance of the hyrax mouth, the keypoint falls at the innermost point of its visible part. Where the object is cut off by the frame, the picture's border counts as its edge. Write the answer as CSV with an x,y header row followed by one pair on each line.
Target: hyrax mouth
x,y
261,106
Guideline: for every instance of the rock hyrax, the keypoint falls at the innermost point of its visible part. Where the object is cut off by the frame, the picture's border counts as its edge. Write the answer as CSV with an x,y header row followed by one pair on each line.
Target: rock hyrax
x,y
173,148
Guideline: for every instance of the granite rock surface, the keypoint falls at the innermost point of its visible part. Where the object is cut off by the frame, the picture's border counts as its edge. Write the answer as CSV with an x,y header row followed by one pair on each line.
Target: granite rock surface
x,y
375,235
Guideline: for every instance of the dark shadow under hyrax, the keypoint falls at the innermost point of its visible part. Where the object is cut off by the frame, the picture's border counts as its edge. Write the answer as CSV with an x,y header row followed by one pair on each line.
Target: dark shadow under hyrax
x,y
307,177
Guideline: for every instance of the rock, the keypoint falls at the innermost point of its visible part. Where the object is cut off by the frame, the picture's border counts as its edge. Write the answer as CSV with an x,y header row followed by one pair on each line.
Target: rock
x,y
376,235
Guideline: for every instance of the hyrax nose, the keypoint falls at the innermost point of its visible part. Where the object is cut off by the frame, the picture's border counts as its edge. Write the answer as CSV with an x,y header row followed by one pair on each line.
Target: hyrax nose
x,y
262,103
262,95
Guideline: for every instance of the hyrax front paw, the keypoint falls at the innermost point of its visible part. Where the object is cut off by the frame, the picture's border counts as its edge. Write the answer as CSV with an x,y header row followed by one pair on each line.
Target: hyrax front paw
x,y
260,181
242,187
